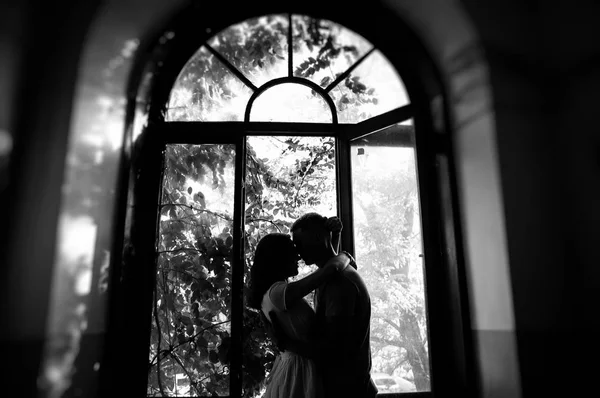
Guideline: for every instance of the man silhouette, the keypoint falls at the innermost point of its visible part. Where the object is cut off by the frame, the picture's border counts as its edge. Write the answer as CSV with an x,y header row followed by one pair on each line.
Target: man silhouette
x,y
343,314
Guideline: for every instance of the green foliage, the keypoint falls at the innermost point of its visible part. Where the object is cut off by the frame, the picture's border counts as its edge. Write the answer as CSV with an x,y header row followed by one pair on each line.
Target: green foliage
x,y
389,249
191,333
207,90
191,329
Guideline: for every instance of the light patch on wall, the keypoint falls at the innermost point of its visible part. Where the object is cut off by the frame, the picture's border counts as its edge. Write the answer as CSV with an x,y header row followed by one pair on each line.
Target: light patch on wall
x,y
6,142
68,312
77,238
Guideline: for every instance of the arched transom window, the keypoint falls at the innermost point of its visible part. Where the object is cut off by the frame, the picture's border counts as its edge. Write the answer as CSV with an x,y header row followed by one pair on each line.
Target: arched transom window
x,y
282,68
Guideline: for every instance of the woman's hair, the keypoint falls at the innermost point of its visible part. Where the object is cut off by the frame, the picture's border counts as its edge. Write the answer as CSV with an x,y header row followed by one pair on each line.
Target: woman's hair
x,y
270,252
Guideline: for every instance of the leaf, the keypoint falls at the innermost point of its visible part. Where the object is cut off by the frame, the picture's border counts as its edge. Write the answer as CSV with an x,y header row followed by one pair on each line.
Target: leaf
x,y
201,342
325,81
169,302
189,329
190,190
181,338
213,356
224,355
170,210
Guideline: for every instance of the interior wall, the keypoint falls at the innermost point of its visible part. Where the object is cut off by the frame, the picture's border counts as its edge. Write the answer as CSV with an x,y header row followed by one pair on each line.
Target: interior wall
x,y
12,34
544,63
454,42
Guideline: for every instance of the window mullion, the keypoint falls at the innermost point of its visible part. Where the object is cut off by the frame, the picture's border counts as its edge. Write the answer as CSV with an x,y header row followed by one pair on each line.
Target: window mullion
x,y
344,191
348,71
232,68
237,283
290,48
379,122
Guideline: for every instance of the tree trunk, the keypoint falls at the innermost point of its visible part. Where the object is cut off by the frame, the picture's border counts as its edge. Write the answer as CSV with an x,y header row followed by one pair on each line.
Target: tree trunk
x,y
415,353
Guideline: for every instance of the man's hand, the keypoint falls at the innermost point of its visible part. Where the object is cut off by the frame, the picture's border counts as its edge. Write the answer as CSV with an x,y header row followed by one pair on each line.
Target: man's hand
x,y
277,333
284,343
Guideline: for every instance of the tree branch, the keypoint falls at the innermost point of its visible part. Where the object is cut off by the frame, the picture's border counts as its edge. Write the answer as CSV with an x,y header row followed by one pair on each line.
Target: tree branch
x,y
177,250
191,339
188,220
166,293
208,377
265,220
160,386
194,384
302,182
183,272
395,343
155,357
223,216
392,324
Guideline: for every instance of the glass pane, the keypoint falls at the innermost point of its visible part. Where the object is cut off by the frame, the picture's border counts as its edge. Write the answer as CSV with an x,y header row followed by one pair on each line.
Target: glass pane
x,y
324,49
285,178
191,319
257,47
290,102
207,91
387,230
371,89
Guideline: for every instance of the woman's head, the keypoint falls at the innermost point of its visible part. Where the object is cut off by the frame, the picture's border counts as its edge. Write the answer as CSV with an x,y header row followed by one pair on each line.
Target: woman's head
x,y
275,259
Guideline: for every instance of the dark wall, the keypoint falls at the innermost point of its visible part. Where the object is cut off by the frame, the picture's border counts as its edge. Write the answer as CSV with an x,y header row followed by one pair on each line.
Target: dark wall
x,y
544,62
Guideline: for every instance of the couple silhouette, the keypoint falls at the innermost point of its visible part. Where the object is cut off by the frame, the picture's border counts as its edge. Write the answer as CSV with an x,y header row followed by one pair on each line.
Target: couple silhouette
x,y
325,352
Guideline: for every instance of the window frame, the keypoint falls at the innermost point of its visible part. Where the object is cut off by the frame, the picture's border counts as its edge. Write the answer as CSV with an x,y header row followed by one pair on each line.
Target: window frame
x,y
446,294
198,133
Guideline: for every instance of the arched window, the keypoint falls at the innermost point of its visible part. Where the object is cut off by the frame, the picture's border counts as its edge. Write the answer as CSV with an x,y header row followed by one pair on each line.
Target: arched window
x,y
263,121
327,127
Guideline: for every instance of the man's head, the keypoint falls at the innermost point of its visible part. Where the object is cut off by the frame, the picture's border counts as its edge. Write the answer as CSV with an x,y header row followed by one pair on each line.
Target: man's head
x,y
312,238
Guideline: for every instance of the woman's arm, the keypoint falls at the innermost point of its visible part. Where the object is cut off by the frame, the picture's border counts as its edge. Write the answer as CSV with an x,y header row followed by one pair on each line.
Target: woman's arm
x,y
334,224
298,289
335,240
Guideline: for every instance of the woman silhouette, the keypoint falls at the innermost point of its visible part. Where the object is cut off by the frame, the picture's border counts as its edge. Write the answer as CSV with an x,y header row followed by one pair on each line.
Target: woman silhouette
x,y
282,305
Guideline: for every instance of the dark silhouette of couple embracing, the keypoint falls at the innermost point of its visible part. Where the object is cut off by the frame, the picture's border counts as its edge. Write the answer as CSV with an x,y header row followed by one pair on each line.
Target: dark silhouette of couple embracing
x,y
325,352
